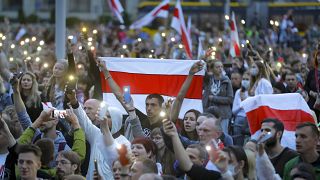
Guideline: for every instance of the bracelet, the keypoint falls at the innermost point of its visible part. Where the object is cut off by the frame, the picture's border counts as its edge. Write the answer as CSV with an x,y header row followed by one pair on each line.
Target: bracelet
x,y
131,110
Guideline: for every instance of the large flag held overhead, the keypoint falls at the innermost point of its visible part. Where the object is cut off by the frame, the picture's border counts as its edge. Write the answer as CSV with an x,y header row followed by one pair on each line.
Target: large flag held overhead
x,y
179,25
147,76
289,108
162,10
116,9
234,46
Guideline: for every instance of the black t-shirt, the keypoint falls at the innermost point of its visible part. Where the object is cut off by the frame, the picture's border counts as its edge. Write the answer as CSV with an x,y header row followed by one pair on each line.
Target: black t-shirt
x,y
280,161
145,123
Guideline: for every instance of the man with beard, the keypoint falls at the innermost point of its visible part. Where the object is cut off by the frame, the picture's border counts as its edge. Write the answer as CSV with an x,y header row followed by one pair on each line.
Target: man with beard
x,y
67,163
278,154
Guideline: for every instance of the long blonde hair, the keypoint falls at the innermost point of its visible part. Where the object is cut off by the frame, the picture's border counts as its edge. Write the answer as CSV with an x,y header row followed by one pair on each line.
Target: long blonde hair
x,y
50,87
263,73
33,99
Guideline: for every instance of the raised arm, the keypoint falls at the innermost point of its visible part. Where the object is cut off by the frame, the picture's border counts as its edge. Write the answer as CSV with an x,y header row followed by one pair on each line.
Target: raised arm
x,y
4,67
196,67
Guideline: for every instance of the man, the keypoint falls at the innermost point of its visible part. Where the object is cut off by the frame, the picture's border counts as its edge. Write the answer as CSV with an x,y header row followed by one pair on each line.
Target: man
x,y
67,163
153,104
142,166
292,83
278,154
29,161
197,154
236,79
91,107
307,139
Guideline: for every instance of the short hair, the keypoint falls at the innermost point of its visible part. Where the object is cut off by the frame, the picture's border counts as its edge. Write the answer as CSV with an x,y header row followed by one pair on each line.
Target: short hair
x,y
240,155
203,154
148,144
209,115
304,170
47,148
149,166
74,177
73,157
290,74
312,126
30,148
155,131
157,96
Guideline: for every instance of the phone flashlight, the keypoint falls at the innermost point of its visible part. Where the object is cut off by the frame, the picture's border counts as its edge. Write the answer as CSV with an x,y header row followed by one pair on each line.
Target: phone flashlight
x,y
126,94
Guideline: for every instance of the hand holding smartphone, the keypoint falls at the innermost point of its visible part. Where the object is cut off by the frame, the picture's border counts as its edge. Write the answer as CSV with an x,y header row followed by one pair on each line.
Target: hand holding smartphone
x,y
126,94
103,110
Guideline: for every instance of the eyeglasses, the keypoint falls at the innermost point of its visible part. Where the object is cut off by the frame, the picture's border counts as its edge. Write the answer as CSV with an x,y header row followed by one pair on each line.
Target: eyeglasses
x,y
62,162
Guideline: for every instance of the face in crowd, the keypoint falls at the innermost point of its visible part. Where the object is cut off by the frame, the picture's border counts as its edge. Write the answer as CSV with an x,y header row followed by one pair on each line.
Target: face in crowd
x,y
153,107
207,130
189,122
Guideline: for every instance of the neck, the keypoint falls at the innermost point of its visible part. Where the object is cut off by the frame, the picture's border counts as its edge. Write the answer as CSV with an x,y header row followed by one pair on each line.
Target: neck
x,y
161,151
51,133
58,80
191,135
310,157
26,92
274,151
217,76
153,120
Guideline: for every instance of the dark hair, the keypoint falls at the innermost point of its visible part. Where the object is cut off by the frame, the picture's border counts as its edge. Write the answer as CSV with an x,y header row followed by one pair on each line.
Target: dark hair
x,y
240,155
289,74
312,126
47,148
148,144
73,157
305,171
202,151
280,86
155,131
157,96
278,125
27,148
183,131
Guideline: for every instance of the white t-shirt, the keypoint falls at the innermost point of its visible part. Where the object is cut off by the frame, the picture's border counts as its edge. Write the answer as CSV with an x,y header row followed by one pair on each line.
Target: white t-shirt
x,y
3,158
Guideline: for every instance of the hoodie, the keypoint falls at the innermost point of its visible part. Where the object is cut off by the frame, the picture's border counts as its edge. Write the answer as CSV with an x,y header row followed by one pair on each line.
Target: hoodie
x,y
116,117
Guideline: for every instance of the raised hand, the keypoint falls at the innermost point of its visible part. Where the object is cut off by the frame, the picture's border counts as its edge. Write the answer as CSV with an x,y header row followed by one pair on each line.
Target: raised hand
x,y
169,128
196,67
72,118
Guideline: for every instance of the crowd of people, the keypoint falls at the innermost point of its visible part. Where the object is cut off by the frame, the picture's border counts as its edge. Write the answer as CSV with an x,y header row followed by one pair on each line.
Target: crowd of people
x,y
55,125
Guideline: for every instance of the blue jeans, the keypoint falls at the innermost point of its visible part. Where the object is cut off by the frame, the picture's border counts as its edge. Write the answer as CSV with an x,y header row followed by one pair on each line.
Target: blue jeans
x,y
225,125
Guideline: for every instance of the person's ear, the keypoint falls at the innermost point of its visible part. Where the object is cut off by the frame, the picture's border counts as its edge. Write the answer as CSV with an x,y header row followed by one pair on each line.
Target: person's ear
x,y
74,167
279,134
38,164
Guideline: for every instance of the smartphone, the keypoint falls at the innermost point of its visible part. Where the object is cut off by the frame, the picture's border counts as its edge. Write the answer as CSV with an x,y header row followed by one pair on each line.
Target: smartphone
x,y
103,110
96,165
265,138
58,113
126,94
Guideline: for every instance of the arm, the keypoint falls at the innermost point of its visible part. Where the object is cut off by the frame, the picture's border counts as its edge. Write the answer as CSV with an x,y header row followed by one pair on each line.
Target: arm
x,y
134,124
236,103
79,141
94,71
225,99
196,67
84,121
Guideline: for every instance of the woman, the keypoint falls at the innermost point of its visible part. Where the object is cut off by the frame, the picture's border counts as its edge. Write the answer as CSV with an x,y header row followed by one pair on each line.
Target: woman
x,y
54,92
145,148
240,128
238,162
120,172
259,83
164,155
189,124
28,87
218,93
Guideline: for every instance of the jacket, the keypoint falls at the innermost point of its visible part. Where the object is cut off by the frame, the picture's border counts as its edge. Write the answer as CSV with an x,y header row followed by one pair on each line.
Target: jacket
x,y
265,169
290,164
105,155
221,103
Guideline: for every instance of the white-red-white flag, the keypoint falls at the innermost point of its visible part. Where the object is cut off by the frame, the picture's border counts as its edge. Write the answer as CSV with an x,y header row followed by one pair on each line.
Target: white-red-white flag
x,y
179,25
147,76
289,108
234,46
162,10
116,9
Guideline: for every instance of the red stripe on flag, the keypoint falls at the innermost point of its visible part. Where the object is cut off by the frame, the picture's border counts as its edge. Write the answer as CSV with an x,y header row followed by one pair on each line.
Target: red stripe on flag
x,y
168,85
176,13
165,7
185,42
232,26
236,49
114,4
290,118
